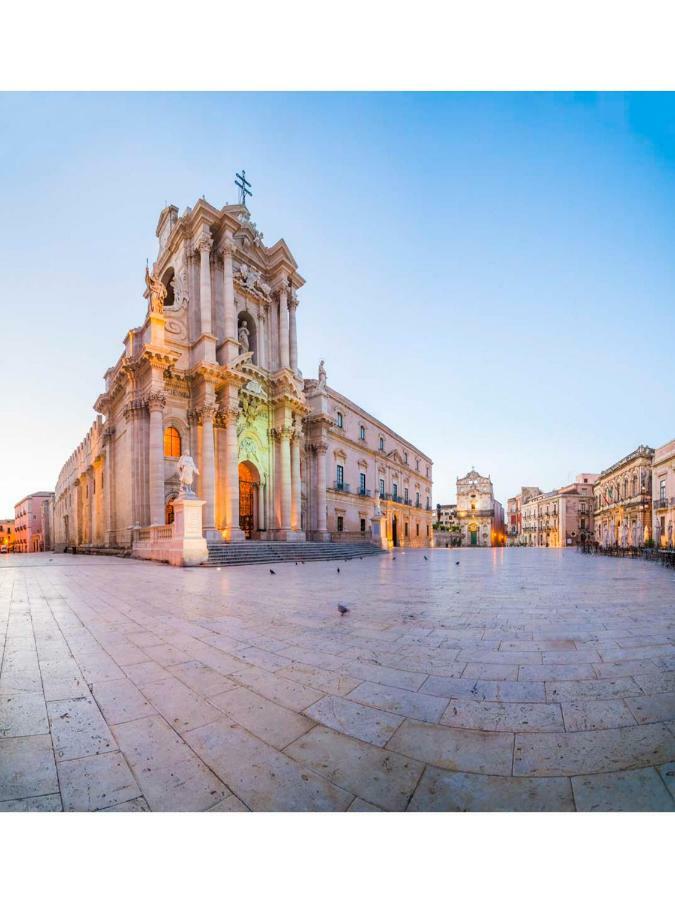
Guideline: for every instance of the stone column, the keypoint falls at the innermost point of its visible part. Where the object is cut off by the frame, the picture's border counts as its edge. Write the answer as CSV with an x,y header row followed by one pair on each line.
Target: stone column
x,y
320,450
156,404
108,489
228,297
285,476
91,511
204,245
283,329
232,530
296,485
208,470
293,335
262,338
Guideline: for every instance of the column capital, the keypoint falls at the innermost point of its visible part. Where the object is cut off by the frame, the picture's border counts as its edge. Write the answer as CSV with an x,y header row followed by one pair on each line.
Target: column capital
x,y
204,243
321,448
204,413
227,245
156,401
293,301
228,413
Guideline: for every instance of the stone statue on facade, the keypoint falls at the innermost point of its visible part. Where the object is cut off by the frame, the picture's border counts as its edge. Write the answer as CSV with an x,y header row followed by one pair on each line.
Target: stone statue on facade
x,y
243,337
156,290
322,375
186,473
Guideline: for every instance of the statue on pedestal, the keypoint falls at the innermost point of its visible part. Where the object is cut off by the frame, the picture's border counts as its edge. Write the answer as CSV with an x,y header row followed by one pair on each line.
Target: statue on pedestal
x,y
244,337
186,473
157,291
322,375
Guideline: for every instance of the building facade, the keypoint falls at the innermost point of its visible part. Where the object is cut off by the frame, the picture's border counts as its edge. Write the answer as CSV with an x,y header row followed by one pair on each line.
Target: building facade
x,y
514,515
213,373
33,523
663,496
446,526
7,535
479,515
623,501
559,518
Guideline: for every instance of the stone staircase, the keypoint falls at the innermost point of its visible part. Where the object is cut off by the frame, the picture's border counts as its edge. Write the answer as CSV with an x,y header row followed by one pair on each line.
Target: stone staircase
x,y
253,552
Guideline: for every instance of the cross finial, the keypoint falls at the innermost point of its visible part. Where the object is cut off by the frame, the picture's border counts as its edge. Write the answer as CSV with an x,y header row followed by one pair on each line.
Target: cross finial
x,y
243,186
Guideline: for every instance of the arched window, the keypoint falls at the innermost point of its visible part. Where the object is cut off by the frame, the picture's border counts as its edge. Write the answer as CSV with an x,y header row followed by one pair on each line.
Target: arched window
x,y
166,281
171,442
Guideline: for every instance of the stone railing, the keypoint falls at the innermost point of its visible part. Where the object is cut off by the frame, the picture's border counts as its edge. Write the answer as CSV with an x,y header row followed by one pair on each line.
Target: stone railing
x,y
351,537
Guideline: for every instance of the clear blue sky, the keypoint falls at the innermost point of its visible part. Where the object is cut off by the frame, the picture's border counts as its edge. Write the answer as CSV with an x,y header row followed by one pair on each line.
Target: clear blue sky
x,y
492,275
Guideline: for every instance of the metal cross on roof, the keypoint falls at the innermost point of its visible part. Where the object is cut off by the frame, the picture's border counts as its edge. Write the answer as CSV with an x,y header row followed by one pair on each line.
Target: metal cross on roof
x,y
243,185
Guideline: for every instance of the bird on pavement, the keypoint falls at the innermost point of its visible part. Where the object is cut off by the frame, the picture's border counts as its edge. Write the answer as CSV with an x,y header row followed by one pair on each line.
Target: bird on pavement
x,y
338,570
457,563
426,557
342,609
272,572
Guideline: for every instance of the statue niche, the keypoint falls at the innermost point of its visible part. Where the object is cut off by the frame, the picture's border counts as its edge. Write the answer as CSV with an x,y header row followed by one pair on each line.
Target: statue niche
x,y
247,335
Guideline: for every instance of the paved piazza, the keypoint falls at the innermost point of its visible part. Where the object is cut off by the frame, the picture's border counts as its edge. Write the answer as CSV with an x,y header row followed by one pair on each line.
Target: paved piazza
x,y
516,680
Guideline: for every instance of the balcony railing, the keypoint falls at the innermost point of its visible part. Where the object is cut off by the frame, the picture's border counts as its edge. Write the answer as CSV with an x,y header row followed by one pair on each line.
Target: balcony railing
x,y
664,503
341,486
363,492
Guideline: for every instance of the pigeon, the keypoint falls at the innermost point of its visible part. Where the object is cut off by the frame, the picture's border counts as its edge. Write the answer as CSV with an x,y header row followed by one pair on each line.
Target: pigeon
x,y
272,572
296,564
426,557
342,609
457,563
393,558
338,570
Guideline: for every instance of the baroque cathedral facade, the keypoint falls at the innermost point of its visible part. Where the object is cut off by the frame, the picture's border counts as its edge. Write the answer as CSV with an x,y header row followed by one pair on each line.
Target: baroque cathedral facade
x,y
213,373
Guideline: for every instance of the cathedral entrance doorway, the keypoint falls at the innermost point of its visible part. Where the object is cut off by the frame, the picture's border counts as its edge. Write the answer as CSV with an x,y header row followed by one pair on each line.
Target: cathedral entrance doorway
x,y
394,531
249,485
474,536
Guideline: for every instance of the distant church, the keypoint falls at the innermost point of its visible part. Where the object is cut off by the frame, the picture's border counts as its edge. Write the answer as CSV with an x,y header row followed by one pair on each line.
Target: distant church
x,y
213,371
479,515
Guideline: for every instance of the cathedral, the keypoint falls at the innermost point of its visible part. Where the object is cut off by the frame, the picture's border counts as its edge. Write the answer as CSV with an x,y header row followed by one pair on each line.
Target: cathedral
x,y
212,374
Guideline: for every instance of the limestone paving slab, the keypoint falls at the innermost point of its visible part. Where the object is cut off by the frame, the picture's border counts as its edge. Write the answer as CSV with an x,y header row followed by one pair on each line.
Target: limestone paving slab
x,y
459,749
658,708
23,714
638,790
499,716
95,782
588,715
121,701
443,791
381,777
424,707
275,724
27,767
47,803
78,728
371,725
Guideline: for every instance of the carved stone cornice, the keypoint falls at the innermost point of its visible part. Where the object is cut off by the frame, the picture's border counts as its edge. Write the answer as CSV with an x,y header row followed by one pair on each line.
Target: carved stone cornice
x,y
228,413
159,357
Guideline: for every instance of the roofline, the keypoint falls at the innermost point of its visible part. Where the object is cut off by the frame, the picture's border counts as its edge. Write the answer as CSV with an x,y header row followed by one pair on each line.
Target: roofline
x,y
337,395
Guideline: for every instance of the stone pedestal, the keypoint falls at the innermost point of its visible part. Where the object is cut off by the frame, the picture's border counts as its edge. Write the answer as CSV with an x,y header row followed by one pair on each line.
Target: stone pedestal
x,y
379,530
187,531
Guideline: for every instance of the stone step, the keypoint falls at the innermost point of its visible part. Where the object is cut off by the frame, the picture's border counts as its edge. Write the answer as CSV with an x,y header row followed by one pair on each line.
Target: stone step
x,y
258,552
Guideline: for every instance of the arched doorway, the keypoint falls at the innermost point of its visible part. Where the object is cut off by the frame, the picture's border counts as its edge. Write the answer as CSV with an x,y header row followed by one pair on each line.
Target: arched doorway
x,y
473,532
394,531
249,485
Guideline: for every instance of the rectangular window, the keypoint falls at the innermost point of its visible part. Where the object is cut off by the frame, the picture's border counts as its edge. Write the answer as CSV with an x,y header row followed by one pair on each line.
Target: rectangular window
x,y
405,457
340,477
417,529
405,490
381,443
362,433
362,483
381,487
394,491
417,498
340,523
406,529
363,524
662,489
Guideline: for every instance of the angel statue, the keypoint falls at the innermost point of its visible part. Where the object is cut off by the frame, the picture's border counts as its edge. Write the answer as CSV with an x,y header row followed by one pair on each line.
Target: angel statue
x,y
322,375
186,473
157,291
